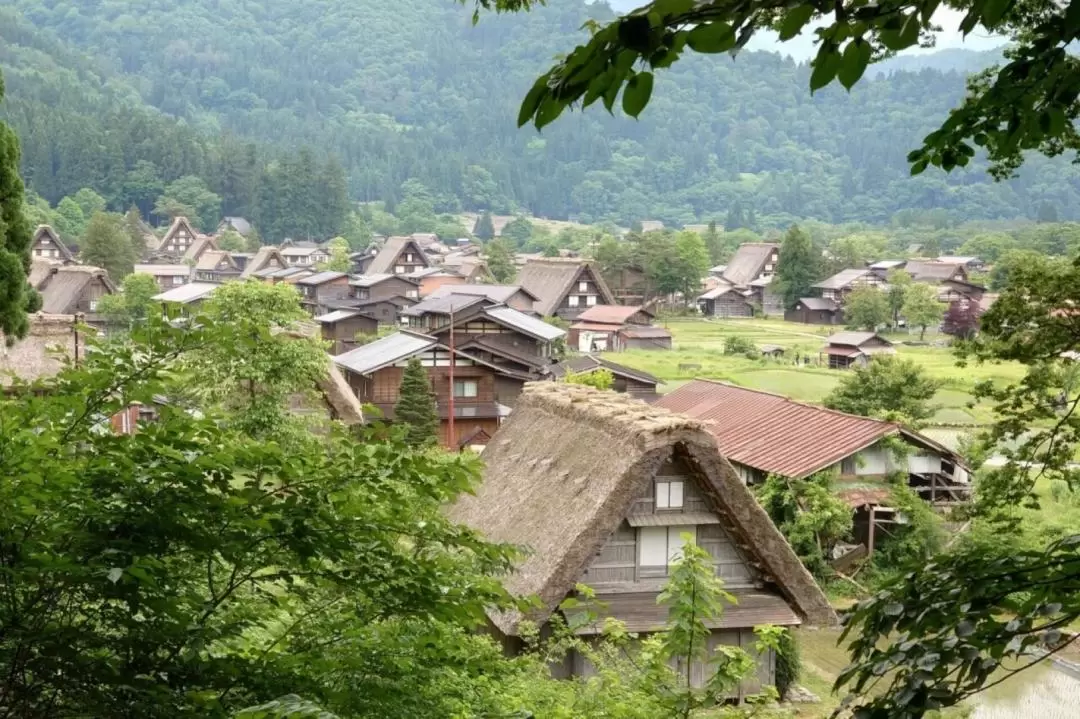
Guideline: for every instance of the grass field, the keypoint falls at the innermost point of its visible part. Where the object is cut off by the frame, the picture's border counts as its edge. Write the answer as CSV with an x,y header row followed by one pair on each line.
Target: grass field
x,y
699,345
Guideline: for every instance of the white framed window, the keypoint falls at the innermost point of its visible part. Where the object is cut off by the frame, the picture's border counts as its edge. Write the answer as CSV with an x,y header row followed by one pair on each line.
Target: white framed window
x,y
572,300
669,495
178,280
93,305
408,257
412,294
590,300
125,421
660,547
399,270
466,388
583,286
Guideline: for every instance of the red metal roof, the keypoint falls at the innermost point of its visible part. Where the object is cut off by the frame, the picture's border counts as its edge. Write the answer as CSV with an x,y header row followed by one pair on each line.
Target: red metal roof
x,y
609,314
772,433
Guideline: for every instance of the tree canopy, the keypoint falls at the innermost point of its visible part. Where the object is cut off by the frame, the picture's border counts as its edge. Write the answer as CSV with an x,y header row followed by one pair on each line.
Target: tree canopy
x,y
886,387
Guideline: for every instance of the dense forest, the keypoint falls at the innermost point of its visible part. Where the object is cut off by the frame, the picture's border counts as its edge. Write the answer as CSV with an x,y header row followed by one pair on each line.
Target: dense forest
x,y
128,97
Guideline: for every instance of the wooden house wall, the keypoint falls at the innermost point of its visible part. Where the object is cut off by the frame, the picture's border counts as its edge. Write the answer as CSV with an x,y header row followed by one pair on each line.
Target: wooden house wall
x,y
94,290
634,387
583,301
731,304
388,288
616,568
342,334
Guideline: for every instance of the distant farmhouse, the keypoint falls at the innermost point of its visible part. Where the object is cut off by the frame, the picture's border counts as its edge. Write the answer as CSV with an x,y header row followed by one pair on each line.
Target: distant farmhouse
x,y
743,285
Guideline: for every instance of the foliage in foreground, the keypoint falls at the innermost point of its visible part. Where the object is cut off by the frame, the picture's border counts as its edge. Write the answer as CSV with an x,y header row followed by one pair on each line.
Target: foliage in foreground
x,y
936,637
1029,104
190,567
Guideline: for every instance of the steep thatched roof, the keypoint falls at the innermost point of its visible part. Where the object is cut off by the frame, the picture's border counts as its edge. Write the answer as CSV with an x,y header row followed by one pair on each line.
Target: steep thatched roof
x,y
749,262
550,279
389,252
46,232
339,397
561,474
261,260
63,285
41,353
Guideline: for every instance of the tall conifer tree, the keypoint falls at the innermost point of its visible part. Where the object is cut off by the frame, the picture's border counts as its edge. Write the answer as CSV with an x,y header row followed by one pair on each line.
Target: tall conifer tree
x,y
16,297
416,405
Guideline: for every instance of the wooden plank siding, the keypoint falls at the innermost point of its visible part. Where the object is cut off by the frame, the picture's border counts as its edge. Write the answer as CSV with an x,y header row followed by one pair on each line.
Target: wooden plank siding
x,y
616,568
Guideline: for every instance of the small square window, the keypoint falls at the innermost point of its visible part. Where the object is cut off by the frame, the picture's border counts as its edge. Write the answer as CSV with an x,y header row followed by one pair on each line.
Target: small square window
x,y
93,305
590,300
572,300
669,495
583,286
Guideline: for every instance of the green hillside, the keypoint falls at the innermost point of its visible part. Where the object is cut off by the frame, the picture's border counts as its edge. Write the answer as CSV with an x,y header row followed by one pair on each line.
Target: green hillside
x,y
411,89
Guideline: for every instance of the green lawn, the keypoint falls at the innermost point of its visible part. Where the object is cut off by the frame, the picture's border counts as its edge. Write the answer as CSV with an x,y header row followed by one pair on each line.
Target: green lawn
x,y
698,352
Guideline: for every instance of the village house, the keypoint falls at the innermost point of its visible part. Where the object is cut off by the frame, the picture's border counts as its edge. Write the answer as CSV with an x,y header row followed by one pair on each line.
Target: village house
x,y
855,349
303,254
397,256
843,283
341,328
816,311
970,264
603,490
934,271
48,246
514,296
177,240
743,288
236,224
278,275
630,285
431,279
267,258
383,296
71,289
467,263
216,266
564,287
598,328
634,382
186,297
321,289
765,434
374,371
167,276
198,247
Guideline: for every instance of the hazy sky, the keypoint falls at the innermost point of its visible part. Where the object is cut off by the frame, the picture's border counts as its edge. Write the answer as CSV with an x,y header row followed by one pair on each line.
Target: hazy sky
x,y
802,47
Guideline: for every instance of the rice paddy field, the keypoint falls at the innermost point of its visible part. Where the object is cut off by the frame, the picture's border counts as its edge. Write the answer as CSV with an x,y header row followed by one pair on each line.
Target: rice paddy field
x,y
698,351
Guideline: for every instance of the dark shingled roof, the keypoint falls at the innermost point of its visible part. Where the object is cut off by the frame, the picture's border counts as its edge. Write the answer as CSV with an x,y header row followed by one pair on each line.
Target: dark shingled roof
x,y
563,471
550,279
818,303
842,279
932,271
588,363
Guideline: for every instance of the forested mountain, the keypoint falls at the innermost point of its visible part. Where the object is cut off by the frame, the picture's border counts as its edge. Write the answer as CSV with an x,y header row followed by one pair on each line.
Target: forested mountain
x,y
121,95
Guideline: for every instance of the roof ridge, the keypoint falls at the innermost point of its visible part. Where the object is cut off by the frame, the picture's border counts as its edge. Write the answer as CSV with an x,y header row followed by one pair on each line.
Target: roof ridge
x,y
784,397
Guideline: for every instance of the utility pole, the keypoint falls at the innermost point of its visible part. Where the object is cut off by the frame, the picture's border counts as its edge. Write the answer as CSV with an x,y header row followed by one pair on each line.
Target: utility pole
x,y
450,436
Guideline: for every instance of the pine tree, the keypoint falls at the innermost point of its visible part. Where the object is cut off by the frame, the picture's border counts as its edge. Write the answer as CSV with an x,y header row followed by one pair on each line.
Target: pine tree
x,y
735,218
106,244
416,406
484,228
799,267
16,297
500,261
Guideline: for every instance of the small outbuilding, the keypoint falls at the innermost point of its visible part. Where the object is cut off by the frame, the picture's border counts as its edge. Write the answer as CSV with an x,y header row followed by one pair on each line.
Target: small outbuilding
x,y
847,349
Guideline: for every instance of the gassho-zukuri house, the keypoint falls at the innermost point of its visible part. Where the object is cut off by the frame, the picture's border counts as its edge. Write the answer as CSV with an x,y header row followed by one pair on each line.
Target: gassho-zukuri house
x,y
601,489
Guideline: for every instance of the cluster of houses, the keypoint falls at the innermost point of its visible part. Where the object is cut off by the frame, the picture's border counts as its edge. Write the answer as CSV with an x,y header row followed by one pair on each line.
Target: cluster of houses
x,y
603,487
742,288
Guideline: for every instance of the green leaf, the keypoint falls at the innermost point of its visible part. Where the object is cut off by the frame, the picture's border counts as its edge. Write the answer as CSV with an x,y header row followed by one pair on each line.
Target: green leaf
x,y
794,21
853,65
918,167
532,101
637,93
825,64
712,37
548,112
993,11
114,574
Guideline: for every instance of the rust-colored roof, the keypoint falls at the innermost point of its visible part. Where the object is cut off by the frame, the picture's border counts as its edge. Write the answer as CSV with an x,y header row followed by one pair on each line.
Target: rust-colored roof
x,y
610,314
772,433
862,496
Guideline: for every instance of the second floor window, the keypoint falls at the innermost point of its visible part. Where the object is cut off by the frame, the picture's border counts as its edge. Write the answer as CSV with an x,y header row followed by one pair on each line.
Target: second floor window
x,y
467,388
583,286
572,300
93,305
669,495
660,547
